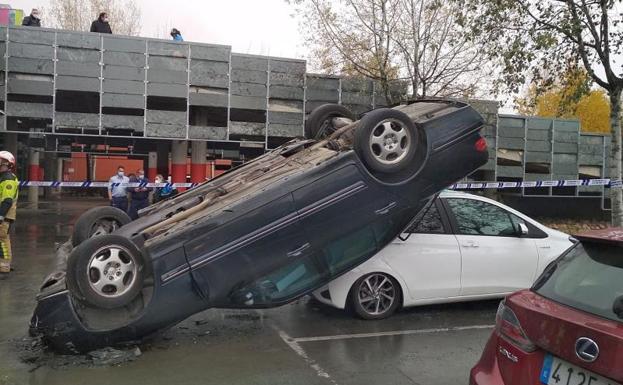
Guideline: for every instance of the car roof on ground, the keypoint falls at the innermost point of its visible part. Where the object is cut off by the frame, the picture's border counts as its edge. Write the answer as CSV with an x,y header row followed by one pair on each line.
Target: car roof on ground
x,y
612,235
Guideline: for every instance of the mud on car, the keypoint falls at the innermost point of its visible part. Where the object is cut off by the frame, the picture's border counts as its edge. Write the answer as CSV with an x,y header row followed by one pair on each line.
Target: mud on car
x,y
262,234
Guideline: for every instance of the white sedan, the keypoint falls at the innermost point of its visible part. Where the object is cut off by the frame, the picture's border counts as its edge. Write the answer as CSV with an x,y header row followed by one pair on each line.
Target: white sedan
x,y
466,247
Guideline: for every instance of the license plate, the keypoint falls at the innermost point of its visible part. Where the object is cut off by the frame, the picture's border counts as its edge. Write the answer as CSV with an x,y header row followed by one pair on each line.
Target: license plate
x,y
558,372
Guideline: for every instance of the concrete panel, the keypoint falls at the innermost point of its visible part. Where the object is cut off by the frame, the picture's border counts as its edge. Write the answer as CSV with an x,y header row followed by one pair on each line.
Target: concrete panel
x,y
252,63
281,92
538,157
515,144
248,102
2,94
357,85
167,117
78,55
209,73
208,99
124,59
78,40
286,79
248,89
165,130
490,165
512,122
278,105
166,76
591,149
123,101
2,32
247,128
170,90
358,108
136,123
325,95
285,130
565,168
537,145
74,83
536,177
566,125
70,68
30,35
539,124
76,119
123,87
168,63
2,48
565,158
210,52
30,87
539,134
356,98
568,148
510,171
288,66
566,137
28,110
244,76
285,118
124,73
592,139
174,49
31,51
589,159
325,83
119,44
207,132
512,132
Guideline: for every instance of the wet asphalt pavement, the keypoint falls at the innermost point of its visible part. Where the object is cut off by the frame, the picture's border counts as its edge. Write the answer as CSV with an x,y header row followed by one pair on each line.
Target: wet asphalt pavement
x,y
301,343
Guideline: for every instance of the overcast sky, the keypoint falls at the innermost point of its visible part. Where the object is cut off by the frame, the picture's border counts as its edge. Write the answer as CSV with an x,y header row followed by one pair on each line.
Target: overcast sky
x,y
250,26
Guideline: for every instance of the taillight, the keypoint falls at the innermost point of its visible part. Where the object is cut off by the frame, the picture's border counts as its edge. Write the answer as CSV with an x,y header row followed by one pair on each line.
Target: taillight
x,y
481,144
508,327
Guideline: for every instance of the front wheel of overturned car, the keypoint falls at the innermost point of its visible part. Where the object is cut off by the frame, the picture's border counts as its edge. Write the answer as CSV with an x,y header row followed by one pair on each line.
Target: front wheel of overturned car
x,y
375,296
106,271
386,140
326,119
98,221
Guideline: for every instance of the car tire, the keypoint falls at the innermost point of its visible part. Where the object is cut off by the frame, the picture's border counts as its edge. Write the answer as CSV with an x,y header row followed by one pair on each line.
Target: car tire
x,y
106,271
319,123
378,303
98,221
386,140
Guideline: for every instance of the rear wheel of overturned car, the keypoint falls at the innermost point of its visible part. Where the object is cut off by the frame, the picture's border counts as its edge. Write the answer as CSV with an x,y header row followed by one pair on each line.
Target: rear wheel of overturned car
x,y
98,221
375,296
386,140
106,271
326,119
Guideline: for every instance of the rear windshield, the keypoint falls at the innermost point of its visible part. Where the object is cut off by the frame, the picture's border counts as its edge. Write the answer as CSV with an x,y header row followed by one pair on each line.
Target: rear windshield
x,y
589,277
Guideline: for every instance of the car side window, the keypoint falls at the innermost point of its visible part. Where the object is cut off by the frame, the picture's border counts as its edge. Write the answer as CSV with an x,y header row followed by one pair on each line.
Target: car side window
x,y
474,217
430,223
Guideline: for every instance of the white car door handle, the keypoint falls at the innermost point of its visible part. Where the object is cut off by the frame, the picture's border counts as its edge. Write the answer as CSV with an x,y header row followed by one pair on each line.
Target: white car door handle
x,y
469,244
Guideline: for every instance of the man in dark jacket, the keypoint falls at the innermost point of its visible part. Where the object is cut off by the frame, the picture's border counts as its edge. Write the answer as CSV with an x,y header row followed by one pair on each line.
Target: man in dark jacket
x,y
139,196
101,24
32,20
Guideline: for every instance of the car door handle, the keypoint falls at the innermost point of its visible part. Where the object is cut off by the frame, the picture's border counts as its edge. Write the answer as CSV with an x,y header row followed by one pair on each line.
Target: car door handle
x,y
385,210
298,251
469,244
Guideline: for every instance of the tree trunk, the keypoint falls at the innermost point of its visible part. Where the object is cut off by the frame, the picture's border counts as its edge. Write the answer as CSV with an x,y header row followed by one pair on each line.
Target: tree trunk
x,y
616,172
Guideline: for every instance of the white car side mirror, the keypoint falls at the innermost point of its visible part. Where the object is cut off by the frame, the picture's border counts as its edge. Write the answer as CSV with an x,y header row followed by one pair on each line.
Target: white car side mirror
x,y
523,230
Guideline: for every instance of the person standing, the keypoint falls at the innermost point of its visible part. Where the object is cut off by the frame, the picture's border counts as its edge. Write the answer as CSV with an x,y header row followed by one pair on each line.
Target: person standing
x,y
117,191
8,208
176,34
165,192
139,196
33,19
101,25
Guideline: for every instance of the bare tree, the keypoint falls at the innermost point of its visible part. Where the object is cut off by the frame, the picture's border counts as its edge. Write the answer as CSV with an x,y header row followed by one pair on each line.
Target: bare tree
x,y
416,41
77,15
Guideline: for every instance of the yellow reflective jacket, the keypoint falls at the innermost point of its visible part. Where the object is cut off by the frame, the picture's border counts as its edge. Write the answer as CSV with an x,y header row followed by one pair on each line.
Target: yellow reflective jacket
x,y
8,195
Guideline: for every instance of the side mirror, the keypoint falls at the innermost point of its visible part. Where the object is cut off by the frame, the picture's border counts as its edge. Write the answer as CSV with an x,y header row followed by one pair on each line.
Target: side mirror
x,y
523,230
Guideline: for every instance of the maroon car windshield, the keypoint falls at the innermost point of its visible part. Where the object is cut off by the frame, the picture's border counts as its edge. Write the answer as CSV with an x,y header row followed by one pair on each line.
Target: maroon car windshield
x,y
589,278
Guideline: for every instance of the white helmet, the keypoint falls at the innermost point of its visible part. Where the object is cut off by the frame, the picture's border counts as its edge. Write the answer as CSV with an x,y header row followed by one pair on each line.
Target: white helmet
x,y
5,155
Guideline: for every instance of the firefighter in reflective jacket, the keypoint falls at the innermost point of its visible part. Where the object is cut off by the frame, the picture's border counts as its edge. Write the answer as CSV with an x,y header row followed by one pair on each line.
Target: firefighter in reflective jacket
x,y
8,203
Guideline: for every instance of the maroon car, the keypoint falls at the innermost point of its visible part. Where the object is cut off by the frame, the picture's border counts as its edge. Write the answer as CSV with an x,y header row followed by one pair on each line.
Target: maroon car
x,y
567,329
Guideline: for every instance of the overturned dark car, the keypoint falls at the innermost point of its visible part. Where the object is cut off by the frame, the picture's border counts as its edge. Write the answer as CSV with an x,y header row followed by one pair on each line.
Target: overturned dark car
x,y
262,234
